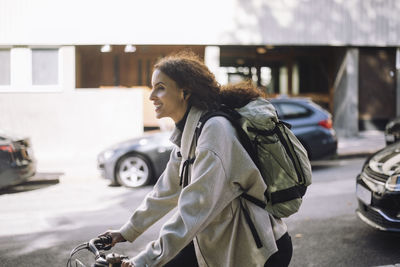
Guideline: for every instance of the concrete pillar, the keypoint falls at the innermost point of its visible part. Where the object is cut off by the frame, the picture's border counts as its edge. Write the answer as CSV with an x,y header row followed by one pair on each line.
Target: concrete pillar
x,y
345,115
283,80
295,79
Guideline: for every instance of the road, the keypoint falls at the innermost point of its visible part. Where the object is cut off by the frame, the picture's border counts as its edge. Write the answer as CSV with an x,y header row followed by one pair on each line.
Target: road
x,y
39,225
326,231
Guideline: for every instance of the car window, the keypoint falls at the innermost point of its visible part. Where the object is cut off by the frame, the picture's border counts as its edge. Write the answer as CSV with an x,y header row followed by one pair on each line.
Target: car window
x,y
293,111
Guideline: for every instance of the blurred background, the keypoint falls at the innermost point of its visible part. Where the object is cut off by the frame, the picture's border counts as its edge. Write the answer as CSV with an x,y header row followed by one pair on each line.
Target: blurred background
x,y
74,75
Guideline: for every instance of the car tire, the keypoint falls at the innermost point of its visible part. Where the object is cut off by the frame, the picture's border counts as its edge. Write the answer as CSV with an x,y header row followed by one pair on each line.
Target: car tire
x,y
133,171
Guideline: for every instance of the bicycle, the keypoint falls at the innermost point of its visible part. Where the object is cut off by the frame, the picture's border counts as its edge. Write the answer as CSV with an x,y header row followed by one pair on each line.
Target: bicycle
x,y
97,246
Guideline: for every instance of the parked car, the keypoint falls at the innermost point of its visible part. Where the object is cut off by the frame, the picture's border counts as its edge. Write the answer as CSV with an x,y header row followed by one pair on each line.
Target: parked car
x,y
378,189
311,124
136,162
17,162
139,161
392,131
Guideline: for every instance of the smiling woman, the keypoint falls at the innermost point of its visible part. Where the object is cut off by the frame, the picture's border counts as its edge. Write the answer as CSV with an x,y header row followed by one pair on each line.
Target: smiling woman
x,y
203,181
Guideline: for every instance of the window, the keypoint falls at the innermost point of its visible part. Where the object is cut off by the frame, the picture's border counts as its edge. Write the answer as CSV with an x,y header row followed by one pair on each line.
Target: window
x,y
44,66
5,73
293,111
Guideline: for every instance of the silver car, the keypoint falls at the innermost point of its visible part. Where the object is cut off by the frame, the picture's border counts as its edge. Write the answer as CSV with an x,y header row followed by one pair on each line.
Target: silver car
x,y
136,162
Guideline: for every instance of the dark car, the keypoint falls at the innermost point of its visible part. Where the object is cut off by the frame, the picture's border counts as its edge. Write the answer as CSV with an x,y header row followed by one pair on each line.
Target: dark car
x,y
17,163
311,124
139,161
392,131
378,189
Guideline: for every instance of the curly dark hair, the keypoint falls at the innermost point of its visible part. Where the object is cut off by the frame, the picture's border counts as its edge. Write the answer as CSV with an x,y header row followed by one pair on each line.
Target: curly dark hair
x,y
191,74
239,94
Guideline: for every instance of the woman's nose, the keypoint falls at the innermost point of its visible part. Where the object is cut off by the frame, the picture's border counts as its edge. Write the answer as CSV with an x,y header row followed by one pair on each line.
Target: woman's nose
x,y
152,95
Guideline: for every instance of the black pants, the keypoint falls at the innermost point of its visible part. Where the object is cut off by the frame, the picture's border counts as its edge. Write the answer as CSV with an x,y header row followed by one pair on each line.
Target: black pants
x,y
187,256
284,254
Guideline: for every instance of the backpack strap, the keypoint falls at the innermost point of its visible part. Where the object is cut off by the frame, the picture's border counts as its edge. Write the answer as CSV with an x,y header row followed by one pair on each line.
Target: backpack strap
x,y
252,227
185,172
297,191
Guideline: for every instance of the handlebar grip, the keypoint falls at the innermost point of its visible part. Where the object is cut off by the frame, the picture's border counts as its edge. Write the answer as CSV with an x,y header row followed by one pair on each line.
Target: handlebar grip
x,y
105,240
100,243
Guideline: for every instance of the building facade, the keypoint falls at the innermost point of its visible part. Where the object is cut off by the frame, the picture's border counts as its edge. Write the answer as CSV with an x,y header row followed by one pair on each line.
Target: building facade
x,y
73,73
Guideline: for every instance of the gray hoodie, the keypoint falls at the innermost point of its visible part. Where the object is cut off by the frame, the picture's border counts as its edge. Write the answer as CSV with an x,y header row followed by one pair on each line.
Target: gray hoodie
x,y
208,210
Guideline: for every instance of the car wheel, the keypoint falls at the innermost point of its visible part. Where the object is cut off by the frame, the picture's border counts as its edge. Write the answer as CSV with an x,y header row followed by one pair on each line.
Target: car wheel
x,y
133,171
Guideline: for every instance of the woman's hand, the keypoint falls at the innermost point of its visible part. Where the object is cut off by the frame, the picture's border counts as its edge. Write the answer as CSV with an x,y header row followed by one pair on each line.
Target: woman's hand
x,y
115,235
127,263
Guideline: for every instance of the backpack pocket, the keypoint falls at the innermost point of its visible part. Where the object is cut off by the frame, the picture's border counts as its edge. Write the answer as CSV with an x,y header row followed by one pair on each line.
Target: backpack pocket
x,y
280,167
275,164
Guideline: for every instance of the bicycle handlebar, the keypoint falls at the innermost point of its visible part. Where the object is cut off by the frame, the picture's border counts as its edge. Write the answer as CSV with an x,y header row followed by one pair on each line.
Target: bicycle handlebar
x,y
99,243
97,246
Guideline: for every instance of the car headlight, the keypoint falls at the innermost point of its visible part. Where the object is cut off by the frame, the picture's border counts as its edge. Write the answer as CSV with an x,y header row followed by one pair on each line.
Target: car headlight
x,y
393,183
374,186
108,154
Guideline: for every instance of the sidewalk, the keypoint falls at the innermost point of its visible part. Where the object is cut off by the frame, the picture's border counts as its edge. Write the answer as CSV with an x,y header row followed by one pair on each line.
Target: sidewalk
x,y
366,143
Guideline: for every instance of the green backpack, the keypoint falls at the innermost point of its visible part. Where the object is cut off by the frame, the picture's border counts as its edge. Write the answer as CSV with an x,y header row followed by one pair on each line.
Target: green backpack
x,y
278,154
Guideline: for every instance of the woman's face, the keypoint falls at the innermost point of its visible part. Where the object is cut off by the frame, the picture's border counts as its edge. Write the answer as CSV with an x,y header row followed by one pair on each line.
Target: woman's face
x,y
168,99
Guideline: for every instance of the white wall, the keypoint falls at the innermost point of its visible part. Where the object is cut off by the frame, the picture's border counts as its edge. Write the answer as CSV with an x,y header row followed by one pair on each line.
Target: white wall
x,y
70,128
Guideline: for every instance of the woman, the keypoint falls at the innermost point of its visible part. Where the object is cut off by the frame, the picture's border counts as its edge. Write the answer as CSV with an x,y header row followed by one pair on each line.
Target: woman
x,y
204,179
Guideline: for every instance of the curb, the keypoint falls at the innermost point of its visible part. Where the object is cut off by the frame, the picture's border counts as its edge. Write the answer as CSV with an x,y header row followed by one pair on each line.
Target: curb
x,y
334,160
44,178
354,155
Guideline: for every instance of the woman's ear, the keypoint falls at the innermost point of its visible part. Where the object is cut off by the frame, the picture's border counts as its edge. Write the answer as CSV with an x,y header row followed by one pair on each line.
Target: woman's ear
x,y
185,94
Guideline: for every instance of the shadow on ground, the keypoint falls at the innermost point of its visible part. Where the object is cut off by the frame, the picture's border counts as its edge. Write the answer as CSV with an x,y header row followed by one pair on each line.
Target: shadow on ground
x,y
40,180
